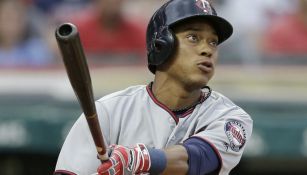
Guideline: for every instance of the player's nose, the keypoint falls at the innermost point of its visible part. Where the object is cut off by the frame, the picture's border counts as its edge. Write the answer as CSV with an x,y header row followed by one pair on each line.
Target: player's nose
x,y
205,50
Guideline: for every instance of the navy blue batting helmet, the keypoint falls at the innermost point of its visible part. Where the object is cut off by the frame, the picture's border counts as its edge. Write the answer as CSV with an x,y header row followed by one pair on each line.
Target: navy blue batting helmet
x,y
160,38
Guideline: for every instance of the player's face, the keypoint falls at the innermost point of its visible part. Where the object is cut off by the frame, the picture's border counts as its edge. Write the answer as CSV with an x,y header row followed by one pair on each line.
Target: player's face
x,y
196,54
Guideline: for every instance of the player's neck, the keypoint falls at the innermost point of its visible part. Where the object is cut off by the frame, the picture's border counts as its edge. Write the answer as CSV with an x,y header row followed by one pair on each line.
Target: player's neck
x,y
174,96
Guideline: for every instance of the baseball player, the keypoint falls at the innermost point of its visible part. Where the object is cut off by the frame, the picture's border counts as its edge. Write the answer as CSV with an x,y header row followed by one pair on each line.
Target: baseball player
x,y
176,124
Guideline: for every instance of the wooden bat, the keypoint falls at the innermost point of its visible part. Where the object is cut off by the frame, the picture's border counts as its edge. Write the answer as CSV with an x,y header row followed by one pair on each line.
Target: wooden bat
x,y
69,43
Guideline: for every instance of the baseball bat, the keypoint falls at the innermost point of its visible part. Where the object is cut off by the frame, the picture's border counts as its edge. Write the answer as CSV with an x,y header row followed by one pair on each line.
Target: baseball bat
x,y
69,43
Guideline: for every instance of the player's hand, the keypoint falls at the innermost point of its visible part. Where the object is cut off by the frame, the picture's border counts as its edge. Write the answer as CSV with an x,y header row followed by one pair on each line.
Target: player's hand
x,y
125,160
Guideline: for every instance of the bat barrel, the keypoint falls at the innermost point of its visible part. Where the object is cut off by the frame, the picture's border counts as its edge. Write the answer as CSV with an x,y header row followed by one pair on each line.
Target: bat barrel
x,y
66,31
76,66
69,43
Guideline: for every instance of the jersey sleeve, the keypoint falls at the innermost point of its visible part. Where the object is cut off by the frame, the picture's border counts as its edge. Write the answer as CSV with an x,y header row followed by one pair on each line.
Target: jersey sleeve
x,y
228,136
78,154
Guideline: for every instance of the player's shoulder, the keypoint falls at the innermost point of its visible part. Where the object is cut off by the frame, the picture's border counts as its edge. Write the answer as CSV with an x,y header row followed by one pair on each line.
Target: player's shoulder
x,y
128,92
219,101
219,97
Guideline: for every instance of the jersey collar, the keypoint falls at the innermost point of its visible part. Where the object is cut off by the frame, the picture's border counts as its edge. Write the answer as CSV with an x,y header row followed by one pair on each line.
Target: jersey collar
x,y
203,97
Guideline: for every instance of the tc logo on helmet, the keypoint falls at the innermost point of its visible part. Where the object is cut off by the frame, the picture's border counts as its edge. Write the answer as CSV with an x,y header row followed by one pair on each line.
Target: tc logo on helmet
x,y
204,5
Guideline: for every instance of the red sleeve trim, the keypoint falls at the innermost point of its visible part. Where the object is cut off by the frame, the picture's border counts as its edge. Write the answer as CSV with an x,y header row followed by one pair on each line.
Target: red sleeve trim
x,y
215,150
64,172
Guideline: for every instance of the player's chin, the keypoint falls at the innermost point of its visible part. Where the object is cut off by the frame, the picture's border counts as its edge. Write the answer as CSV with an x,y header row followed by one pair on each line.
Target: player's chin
x,y
201,80
205,76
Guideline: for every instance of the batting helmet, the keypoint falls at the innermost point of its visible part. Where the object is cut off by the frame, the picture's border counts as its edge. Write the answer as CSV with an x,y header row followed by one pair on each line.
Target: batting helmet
x,y
160,38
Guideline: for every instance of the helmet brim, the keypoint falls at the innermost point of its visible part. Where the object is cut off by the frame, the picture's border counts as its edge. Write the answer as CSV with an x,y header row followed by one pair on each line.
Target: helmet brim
x,y
223,28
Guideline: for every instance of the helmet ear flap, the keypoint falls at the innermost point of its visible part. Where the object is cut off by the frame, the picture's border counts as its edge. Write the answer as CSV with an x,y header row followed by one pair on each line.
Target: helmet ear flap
x,y
159,44
163,46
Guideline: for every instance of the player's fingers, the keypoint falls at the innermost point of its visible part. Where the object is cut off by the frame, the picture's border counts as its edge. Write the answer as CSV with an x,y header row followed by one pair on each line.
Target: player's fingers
x,y
113,171
111,149
111,167
104,167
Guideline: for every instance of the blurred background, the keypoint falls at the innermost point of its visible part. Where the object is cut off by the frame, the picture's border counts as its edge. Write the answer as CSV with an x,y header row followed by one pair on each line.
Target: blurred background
x,y
262,68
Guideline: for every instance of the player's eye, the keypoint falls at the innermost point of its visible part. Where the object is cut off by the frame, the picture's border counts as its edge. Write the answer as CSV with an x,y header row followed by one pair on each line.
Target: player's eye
x,y
213,43
193,38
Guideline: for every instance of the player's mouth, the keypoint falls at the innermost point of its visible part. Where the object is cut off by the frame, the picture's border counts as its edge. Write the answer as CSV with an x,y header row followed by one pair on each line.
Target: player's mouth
x,y
205,66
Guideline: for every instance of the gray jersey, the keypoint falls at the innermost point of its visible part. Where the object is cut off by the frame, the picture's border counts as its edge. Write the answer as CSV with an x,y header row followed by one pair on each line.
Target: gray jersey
x,y
134,116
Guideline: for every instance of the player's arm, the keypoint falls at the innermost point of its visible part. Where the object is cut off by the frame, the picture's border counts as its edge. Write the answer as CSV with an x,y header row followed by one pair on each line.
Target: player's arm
x,y
176,160
194,157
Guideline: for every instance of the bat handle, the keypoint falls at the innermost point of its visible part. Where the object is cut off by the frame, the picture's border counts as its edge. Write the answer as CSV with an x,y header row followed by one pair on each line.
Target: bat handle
x,y
103,157
94,127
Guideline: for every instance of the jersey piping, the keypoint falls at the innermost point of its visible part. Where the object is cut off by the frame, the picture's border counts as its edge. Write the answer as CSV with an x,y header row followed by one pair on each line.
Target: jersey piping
x,y
176,118
64,172
161,105
215,150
